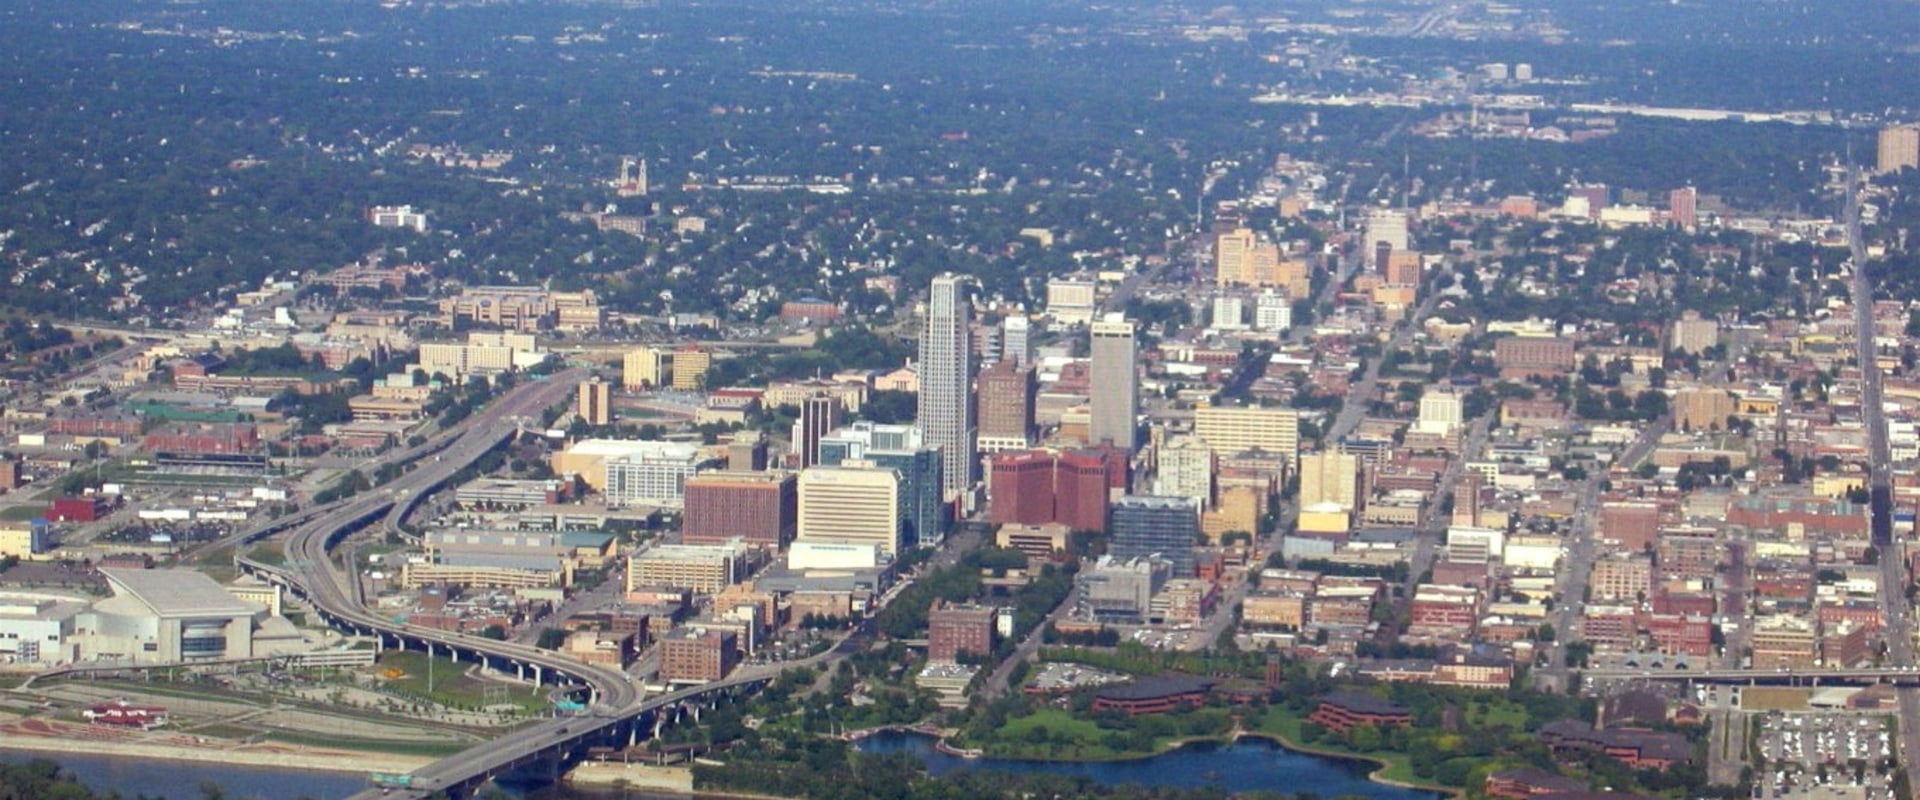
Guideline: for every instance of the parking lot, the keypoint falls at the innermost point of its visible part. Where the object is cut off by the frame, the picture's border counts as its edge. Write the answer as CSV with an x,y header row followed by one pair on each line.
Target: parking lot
x,y
1811,756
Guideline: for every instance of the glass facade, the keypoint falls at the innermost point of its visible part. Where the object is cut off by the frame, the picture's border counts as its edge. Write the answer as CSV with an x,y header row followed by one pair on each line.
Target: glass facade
x,y
1145,525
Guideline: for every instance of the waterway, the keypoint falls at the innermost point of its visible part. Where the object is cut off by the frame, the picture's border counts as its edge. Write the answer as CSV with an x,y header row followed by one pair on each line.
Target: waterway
x,y
1249,764
180,780
1246,765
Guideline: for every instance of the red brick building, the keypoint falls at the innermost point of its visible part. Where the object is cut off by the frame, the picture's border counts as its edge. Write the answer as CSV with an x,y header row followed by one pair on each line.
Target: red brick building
x,y
692,656
1159,695
1524,356
1681,635
809,309
1006,402
1035,487
761,508
118,427
1609,626
233,439
1523,784
1859,613
1345,710
1635,525
1080,483
1818,515
1020,488
1690,604
1638,749
956,629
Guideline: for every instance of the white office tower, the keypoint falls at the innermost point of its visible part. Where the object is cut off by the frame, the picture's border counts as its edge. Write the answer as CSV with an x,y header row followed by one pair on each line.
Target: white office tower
x,y
850,505
1229,312
1016,342
1441,411
1389,227
1185,468
1115,396
1272,311
946,382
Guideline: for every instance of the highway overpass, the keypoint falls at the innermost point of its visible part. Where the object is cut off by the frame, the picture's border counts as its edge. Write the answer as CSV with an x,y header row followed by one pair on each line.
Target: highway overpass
x,y
617,710
1811,676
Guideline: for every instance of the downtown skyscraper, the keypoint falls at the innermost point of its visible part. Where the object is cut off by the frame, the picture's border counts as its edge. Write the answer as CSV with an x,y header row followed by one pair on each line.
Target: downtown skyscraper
x,y
946,381
1115,395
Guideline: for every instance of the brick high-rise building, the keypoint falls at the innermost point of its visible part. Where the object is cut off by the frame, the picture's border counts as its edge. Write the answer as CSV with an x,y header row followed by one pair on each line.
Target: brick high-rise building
x,y
819,416
761,508
1899,148
595,403
1006,406
1683,207
1081,483
695,656
956,629
1020,488
1037,487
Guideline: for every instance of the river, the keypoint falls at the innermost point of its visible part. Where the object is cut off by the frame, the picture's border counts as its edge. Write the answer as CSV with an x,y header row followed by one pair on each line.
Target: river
x,y
180,780
1246,765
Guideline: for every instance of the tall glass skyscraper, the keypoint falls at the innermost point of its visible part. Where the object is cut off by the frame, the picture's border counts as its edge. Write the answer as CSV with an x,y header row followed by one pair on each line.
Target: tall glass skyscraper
x,y
1144,525
946,381
1116,385
901,448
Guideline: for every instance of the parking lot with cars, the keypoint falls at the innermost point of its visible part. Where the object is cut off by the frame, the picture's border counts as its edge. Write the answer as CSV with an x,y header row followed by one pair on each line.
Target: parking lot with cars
x,y
1808,756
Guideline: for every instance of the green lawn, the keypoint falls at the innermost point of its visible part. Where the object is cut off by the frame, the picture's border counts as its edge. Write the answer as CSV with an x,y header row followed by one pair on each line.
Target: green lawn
x,y
1051,734
1499,712
218,564
450,684
22,513
1283,725
224,731
272,554
407,748
1058,722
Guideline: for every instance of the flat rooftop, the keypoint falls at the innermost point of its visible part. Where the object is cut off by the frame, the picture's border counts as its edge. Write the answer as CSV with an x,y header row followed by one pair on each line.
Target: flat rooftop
x,y
176,592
